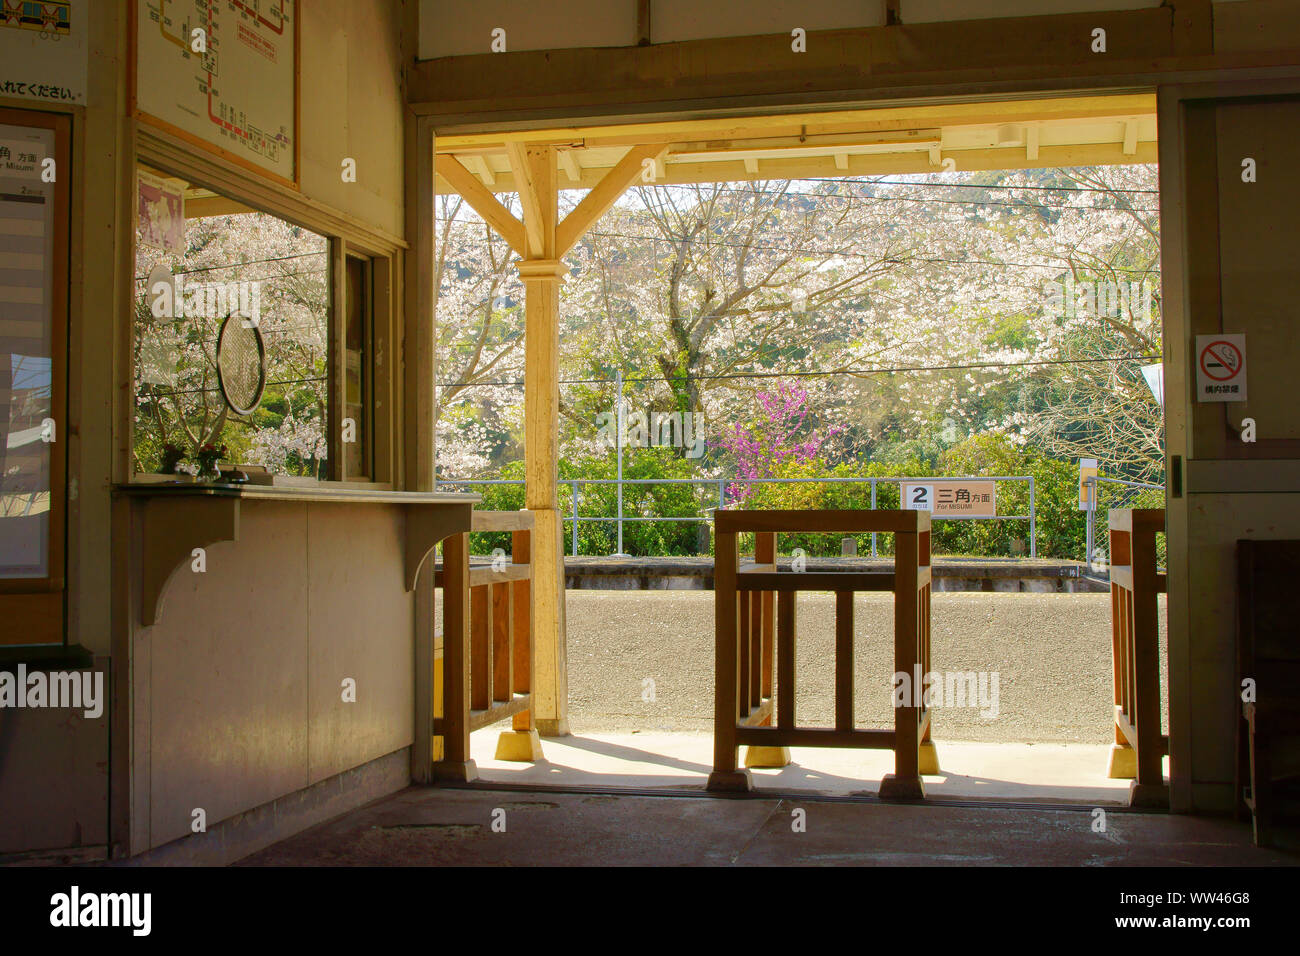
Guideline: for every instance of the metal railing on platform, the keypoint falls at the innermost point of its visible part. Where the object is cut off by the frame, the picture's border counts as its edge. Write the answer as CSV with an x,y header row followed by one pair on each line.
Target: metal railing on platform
x,y
1104,494
574,518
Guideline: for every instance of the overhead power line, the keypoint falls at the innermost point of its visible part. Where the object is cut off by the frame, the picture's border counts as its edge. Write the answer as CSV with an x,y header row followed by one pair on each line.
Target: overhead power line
x,y
856,373
893,198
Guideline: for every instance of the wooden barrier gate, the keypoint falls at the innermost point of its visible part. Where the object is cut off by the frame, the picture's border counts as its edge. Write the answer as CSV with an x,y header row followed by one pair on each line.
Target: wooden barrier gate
x,y
483,665
743,601
1139,747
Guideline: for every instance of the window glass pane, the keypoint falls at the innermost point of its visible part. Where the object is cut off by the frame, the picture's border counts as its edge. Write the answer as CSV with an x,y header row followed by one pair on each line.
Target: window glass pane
x,y
355,380
228,265
28,434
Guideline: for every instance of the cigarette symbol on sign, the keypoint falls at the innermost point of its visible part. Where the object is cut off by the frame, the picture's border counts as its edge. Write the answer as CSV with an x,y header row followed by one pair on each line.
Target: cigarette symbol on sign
x,y
1220,360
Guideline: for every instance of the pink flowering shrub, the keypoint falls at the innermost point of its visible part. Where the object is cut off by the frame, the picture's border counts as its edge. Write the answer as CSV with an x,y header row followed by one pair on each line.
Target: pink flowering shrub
x,y
778,435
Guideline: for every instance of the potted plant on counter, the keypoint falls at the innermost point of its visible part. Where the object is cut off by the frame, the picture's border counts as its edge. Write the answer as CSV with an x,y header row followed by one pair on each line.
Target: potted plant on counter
x,y
208,457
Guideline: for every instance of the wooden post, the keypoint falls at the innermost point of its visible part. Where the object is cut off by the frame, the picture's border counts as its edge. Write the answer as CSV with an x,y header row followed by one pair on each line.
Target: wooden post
x,y
534,170
762,608
726,776
1123,758
1150,789
523,630
456,763
521,742
905,782
786,635
765,553
503,622
480,648
843,660
747,662
541,239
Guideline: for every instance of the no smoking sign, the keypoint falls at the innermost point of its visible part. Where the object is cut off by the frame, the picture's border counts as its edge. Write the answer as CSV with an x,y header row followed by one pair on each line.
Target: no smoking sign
x,y
1221,368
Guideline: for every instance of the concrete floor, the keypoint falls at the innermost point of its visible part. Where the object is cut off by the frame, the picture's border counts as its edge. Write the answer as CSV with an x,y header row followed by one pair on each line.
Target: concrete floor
x,y
1045,772
439,826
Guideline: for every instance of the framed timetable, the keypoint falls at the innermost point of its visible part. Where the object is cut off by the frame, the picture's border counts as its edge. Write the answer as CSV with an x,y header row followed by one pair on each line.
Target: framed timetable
x,y
34,171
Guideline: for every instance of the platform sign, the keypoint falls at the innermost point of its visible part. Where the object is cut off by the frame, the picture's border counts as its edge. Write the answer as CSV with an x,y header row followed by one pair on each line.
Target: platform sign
x,y
961,498
1087,469
1221,368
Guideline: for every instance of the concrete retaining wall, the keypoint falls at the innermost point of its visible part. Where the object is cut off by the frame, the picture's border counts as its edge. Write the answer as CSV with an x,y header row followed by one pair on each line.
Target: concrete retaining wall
x,y
949,574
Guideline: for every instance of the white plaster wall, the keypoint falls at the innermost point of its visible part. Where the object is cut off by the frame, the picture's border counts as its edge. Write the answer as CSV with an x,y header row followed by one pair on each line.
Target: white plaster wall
x,y
351,107
241,678
462,27
930,11
459,27
673,20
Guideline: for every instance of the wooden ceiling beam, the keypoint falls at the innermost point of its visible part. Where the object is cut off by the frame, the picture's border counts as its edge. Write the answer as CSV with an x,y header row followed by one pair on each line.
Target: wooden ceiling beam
x,y
569,163
482,201
527,186
604,194
824,123
989,158
852,67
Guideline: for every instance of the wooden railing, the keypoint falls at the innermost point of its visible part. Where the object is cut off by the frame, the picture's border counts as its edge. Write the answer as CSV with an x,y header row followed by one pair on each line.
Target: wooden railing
x,y
745,651
483,659
1139,748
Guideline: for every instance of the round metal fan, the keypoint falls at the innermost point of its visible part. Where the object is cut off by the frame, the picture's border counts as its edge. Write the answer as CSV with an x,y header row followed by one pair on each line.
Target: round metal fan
x,y
241,364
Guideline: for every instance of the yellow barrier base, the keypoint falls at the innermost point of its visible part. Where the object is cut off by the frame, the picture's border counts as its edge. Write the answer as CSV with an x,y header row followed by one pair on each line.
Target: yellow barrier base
x,y
1123,763
929,758
894,787
457,772
1150,796
767,756
523,746
737,781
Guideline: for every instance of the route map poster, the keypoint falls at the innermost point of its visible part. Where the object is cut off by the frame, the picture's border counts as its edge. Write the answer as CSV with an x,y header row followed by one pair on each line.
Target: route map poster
x,y
222,73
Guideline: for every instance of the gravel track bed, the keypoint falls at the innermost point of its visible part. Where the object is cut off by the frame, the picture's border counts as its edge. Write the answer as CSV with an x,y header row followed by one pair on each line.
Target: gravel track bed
x,y
1051,652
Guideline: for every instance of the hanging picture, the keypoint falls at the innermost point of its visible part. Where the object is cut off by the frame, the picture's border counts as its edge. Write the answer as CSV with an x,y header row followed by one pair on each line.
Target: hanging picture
x,y
160,205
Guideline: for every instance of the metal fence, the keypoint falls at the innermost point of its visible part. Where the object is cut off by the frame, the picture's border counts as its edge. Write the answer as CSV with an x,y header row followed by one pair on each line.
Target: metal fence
x,y
1106,493
574,518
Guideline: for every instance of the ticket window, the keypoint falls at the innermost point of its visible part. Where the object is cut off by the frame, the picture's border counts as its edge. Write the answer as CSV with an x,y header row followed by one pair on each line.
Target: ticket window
x,y
34,176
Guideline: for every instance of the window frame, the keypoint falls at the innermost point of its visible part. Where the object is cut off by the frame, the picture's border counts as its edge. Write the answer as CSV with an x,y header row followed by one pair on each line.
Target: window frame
x,y
366,426
343,241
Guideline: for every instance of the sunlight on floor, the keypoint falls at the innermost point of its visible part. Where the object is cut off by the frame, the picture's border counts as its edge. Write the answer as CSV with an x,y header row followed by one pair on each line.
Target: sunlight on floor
x,y
1047,772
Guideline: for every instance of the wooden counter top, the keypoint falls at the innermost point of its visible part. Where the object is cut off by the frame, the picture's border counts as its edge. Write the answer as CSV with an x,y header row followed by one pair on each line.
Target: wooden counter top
x,y
177,518
293,493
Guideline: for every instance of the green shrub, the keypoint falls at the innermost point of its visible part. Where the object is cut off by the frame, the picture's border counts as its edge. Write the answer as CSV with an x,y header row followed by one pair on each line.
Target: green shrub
x,y
1060,532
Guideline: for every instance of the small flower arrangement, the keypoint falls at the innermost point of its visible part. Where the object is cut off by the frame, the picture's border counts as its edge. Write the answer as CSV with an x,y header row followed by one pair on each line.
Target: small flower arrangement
x,y
207,458
171,457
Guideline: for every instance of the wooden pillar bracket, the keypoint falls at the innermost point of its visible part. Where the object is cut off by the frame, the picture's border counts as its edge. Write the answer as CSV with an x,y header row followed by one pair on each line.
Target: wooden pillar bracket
x,y
426,525
172,529
541,268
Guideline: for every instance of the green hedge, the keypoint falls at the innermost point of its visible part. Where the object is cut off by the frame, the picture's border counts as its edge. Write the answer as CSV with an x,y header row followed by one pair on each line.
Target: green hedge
x,y
1061,527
